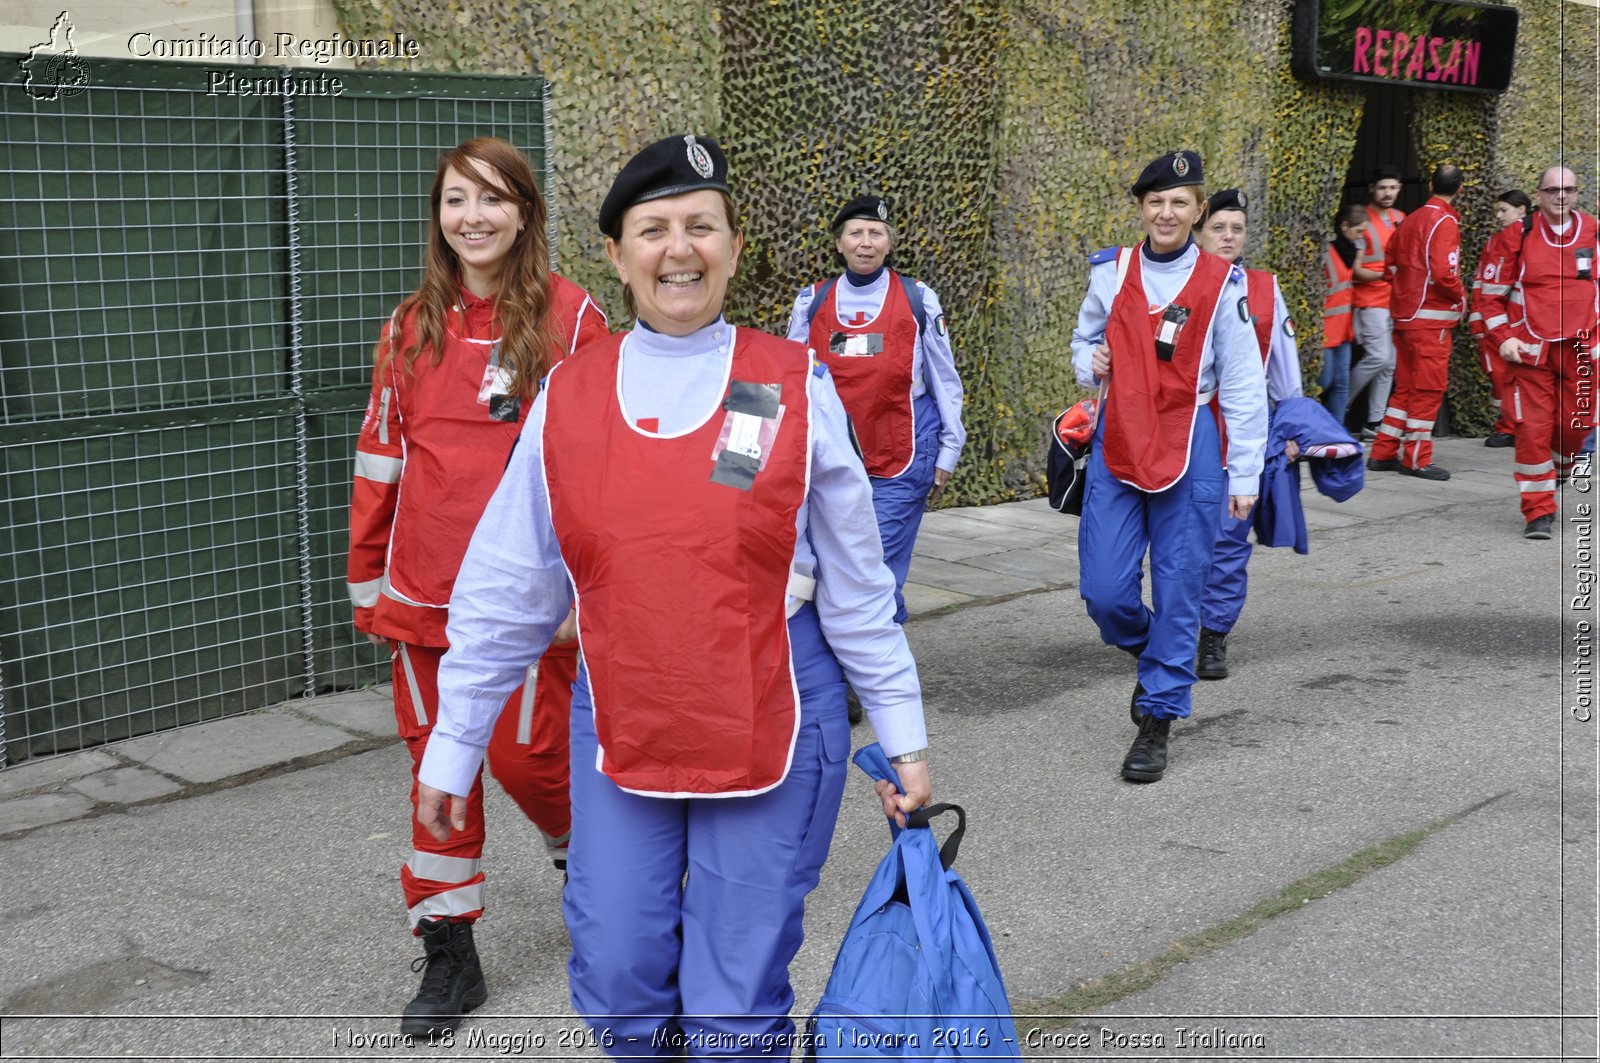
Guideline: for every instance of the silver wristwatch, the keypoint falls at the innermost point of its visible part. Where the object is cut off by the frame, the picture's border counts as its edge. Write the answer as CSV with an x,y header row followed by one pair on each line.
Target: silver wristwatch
x,y
911,757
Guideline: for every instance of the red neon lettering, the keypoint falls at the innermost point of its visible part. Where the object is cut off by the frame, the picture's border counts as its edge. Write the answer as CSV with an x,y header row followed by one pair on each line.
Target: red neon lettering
x,y
1363,42
1381,52
1433,57
1401,43
1469,73
1452,66
1414,68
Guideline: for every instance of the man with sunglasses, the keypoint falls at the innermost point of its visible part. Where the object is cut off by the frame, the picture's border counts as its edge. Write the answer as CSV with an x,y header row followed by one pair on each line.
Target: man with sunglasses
x,y
1545,328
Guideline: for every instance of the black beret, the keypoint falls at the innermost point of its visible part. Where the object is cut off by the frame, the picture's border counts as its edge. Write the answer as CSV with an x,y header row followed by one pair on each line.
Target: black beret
x,y
873,208
1173,170
668,167
1227,199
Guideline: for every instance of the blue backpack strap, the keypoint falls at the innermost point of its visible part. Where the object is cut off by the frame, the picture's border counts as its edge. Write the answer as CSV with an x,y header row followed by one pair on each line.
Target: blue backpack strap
x,y
914,297
819,292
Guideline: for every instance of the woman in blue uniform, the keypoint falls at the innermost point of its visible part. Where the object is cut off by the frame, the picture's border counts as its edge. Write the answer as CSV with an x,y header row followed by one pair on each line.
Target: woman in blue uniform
x,y
1223,232
884,340
696,482
1159,332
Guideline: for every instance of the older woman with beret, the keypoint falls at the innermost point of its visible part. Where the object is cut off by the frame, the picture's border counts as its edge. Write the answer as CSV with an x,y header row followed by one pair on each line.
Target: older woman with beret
x,y
884,339
695,483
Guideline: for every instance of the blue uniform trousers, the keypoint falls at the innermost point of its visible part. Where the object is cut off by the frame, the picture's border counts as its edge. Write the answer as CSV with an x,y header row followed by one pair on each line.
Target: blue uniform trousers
x,y
899,502
1229,580
1178,527
685,913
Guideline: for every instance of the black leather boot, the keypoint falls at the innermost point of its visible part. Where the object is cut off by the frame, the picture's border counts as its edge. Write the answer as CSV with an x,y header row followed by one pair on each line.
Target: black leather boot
x,y
1135,713
1213,663
452,980
1147,757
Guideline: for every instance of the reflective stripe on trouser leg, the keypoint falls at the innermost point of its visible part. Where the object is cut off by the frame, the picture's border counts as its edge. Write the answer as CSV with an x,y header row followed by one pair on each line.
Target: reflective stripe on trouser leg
x,y
1423,372
1533,471
1227,581
1391,430
714,952
441,878
528,749
899,503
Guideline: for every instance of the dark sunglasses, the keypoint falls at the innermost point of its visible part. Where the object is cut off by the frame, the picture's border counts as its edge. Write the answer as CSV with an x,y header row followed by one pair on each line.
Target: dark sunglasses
x,y
1561,190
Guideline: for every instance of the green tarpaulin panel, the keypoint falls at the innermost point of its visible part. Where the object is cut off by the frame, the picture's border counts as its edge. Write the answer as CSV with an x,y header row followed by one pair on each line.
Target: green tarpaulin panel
x,y
190,288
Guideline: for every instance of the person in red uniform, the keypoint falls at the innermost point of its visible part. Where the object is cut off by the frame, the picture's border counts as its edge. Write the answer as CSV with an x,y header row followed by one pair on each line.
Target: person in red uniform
x,y
1544,327
1374,330
1427,301
457,367
1511,215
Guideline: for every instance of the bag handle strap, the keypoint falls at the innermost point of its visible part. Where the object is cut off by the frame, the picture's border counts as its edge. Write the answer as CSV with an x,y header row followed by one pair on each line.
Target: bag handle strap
x,y
871,759
951,848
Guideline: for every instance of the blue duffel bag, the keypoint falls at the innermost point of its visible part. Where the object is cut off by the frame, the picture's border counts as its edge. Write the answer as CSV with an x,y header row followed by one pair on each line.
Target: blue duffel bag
x,y
916,976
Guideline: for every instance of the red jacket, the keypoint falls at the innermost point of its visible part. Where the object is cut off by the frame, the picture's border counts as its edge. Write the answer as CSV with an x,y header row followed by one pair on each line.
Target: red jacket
x,y
1549,298
1424,266
428,457
1496,266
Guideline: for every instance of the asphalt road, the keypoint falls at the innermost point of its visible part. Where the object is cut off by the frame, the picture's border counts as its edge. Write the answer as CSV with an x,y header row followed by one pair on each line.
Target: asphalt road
x,y
1394,740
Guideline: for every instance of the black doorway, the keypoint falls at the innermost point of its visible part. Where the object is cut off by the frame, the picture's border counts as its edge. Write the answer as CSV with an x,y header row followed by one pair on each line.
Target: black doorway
x,y
1385,138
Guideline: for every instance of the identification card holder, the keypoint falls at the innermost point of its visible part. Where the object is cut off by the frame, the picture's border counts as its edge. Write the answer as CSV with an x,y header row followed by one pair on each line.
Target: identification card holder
x,y
1585,257
495,391
1173,319
856,344
750,419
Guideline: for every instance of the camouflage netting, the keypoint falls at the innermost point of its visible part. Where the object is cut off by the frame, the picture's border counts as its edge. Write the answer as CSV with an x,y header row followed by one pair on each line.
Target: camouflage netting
x,y
1006,133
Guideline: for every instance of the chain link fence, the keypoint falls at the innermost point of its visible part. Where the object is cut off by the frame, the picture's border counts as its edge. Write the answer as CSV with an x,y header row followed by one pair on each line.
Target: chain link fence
x,y
190,287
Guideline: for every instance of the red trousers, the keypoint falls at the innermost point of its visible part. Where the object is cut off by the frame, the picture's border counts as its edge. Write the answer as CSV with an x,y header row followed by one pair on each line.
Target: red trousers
x,y
527,755
1498,370
1553,406
1421,375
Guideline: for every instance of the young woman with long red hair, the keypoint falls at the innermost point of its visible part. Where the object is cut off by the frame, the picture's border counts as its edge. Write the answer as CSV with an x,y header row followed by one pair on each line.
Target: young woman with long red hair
x,y
456,370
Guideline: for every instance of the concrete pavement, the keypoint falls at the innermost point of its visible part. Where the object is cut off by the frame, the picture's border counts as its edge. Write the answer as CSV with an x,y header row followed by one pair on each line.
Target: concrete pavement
x,y
1394,746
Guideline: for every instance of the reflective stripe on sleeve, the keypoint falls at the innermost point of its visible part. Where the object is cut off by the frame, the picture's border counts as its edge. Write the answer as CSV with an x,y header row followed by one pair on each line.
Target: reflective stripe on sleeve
x,y
1495,289
1496,321
377,467
364,595
1438,315
525,710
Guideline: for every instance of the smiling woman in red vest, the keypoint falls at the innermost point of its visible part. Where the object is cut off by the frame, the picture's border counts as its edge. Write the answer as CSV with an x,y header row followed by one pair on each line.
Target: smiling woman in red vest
x,y
457,367
1165,332
883,338
695,482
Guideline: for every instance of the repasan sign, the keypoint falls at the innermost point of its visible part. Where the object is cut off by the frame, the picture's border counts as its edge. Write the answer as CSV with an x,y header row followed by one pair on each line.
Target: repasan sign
x,y
1432,44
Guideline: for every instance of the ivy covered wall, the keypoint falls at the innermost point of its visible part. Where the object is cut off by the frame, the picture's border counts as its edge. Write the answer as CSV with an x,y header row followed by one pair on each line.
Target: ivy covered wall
x,y
1006,132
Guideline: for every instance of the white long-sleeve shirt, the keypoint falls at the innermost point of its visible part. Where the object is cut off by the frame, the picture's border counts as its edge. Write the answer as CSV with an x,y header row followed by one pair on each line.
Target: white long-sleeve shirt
x,y
513,590
1230,362
933,364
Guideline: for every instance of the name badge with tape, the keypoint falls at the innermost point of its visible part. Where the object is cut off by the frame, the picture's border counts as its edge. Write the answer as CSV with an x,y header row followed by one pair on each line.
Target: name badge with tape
x,y
856,345
1167,333
495,391
1585,257
750,419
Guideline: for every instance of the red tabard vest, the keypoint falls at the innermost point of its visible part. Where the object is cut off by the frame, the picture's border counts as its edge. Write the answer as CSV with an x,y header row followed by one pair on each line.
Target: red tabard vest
x,y
681,582
874,385
1553,303
1336,324
1151,403
1258,285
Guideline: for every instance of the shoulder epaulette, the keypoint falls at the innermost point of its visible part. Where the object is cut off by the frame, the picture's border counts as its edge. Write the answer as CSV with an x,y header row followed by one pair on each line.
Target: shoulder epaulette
x,y
1105,254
